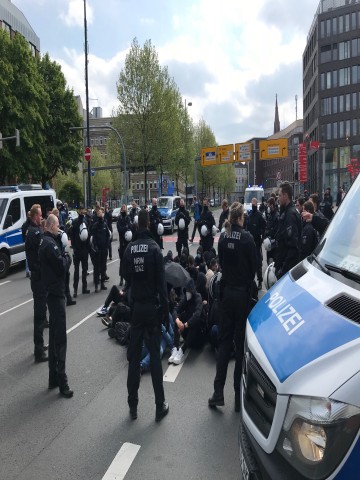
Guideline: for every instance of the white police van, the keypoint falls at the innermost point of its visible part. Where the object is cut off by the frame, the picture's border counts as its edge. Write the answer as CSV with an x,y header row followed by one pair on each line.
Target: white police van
x,y
168,206
253,191
300,386
15,202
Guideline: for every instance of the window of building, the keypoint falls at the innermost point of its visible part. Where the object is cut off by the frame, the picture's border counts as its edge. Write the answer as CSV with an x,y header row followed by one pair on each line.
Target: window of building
x,y
6,27
328,27
334,78
341,103
354,47
354,126
354,101
341,130
347,102
347,22
105,140
355,74
353,21
334,104
347,128
325,54
335,130
328,131
326,106
100,140
151,185
344,76
137,185
322,29
142,186
91,142
344,50
341,24
96,140
334,25
328,80
335,55
155,184
32,49
322,81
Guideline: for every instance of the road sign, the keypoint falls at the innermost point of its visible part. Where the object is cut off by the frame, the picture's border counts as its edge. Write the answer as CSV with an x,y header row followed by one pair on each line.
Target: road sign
x,y
87,153
208,156
225,154
243,152
270,149
92,172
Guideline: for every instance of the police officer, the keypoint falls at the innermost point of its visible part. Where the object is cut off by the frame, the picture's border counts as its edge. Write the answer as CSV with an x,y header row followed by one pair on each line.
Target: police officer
x,y
144,273
256,225
182,221
123,225
34,235
224,214
205,224
80,242
101,238
155,220
197,211
108,220
238,260
288,236
309,236
272,224
54,265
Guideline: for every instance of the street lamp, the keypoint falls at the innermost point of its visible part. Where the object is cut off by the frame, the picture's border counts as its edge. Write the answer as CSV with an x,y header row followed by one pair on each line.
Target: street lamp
x,y
189,104
87,104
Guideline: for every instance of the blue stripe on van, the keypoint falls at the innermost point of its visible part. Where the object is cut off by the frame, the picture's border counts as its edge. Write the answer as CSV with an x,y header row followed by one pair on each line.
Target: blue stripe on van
x,y
293,328
12,238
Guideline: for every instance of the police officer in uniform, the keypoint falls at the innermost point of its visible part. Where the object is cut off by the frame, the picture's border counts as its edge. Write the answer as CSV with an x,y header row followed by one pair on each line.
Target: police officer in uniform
x,y
206,220
238,260
54,265
288,236
123,225
272,224
256,224
155,220
183,229
144,273
101,239
80,246
34,235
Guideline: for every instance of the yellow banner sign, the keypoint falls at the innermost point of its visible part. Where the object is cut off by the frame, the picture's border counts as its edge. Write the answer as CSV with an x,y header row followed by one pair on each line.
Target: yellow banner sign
x,y
208,156
273,148
225,154
243,152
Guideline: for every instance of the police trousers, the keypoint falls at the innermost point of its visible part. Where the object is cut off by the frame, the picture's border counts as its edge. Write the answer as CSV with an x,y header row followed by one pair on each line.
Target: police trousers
x,y
80,256
99,261
39,296
57,338
235,306
145,327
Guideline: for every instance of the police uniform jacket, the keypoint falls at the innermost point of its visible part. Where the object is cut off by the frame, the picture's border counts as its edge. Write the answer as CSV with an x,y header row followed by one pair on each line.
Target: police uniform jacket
x,y
33,239
133,212
155,219
123,225
223,216
54,265
101,235
207,219
108,219
183,213
272,224
256,225
288,239
309,240
320,222
144,270
237,257
76,241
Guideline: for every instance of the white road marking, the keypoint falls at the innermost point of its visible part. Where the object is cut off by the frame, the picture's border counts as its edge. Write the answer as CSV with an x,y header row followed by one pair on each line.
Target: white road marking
x,y
81,321
17,306
122,462
173,370
3,283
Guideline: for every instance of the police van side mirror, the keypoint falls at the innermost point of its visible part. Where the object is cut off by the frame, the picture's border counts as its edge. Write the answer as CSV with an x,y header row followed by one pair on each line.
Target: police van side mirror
x,y
8,222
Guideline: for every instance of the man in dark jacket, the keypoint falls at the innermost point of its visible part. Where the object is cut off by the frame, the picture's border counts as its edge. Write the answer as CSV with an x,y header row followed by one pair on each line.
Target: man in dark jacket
x,y
54,265
108,220
272,224
155,221
309,236
327,204
80,243
33,240
100,244
317,219
123,225
182,221
224,214
188,322
205,224
288,236
145,275
256,225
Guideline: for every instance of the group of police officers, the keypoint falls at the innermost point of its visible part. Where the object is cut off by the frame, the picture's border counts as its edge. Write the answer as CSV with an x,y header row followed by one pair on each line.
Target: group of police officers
x,y
142,267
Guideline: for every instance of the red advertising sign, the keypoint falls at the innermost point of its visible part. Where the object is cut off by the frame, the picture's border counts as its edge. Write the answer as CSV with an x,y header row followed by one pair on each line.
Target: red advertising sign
x,y
302,158
314,145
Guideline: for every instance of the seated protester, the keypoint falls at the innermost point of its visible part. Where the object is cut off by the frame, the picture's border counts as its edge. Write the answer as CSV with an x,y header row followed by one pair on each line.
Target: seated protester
x,y
118,313
203,268
191,268
188,322
199,258
309,236
169,257
167,340
213,267
116,296
201,286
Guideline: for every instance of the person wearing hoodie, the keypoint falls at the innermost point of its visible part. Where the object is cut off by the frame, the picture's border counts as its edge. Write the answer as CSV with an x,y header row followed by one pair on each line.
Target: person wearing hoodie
x,y
182,221
205,224
188,322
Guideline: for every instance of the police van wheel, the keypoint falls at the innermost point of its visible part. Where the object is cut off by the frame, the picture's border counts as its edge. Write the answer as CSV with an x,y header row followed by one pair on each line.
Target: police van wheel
x,y
4,264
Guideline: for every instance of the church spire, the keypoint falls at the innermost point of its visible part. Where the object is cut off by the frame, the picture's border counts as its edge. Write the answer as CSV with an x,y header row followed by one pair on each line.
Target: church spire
x,y
277,121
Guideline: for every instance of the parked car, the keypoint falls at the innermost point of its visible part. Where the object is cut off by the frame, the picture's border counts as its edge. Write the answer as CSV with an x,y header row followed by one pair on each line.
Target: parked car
x,y
116,214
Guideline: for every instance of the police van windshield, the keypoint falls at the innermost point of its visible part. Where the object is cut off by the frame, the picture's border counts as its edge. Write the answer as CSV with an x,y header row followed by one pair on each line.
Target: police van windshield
x,y
341,242
3,203
165,202
249,195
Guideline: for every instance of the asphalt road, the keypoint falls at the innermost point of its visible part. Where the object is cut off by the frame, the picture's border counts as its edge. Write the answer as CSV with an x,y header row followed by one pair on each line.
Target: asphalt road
x,y
91,437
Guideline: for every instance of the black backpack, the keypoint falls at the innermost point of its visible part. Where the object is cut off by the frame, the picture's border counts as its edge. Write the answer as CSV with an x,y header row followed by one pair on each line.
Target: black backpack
x,y
122,332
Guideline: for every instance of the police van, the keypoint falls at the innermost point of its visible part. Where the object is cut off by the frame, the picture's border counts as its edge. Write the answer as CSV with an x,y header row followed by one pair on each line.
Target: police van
x,y
15,202
300,389
168,207
253,191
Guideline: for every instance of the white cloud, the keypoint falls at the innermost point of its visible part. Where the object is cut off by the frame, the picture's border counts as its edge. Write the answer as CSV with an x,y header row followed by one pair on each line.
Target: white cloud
x,y
74,15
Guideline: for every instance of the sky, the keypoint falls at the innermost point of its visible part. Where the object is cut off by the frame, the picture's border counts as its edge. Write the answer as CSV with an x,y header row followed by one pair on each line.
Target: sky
x,y
229,58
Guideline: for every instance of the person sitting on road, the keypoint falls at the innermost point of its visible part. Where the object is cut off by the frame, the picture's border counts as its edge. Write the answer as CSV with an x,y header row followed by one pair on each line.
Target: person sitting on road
x,y
188,322
167,340
213,267
115,296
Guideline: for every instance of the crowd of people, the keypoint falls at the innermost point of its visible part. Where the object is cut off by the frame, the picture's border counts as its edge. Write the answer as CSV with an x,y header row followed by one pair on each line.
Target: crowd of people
x,y
148,311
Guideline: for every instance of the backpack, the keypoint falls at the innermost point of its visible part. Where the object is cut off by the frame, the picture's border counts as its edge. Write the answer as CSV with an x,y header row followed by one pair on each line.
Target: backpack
x,y
122,332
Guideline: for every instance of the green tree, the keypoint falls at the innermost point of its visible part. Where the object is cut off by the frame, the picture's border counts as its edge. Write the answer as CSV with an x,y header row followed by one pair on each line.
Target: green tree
x,y
71,192
147,115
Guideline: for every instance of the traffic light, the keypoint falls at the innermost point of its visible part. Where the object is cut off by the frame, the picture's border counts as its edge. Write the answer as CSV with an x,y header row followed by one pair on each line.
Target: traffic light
x,y
17,135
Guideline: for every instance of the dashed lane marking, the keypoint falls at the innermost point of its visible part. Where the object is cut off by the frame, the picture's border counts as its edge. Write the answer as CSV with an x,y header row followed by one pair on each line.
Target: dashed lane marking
x,y
173,370
17,306
122,462
81,321
3,283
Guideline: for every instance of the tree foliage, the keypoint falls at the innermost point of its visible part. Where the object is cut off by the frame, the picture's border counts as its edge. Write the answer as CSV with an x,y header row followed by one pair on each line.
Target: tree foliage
x,y
71,192
34,99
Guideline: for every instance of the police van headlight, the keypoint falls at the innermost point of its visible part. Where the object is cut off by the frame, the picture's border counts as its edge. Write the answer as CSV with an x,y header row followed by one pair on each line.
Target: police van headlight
x,y
317,433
